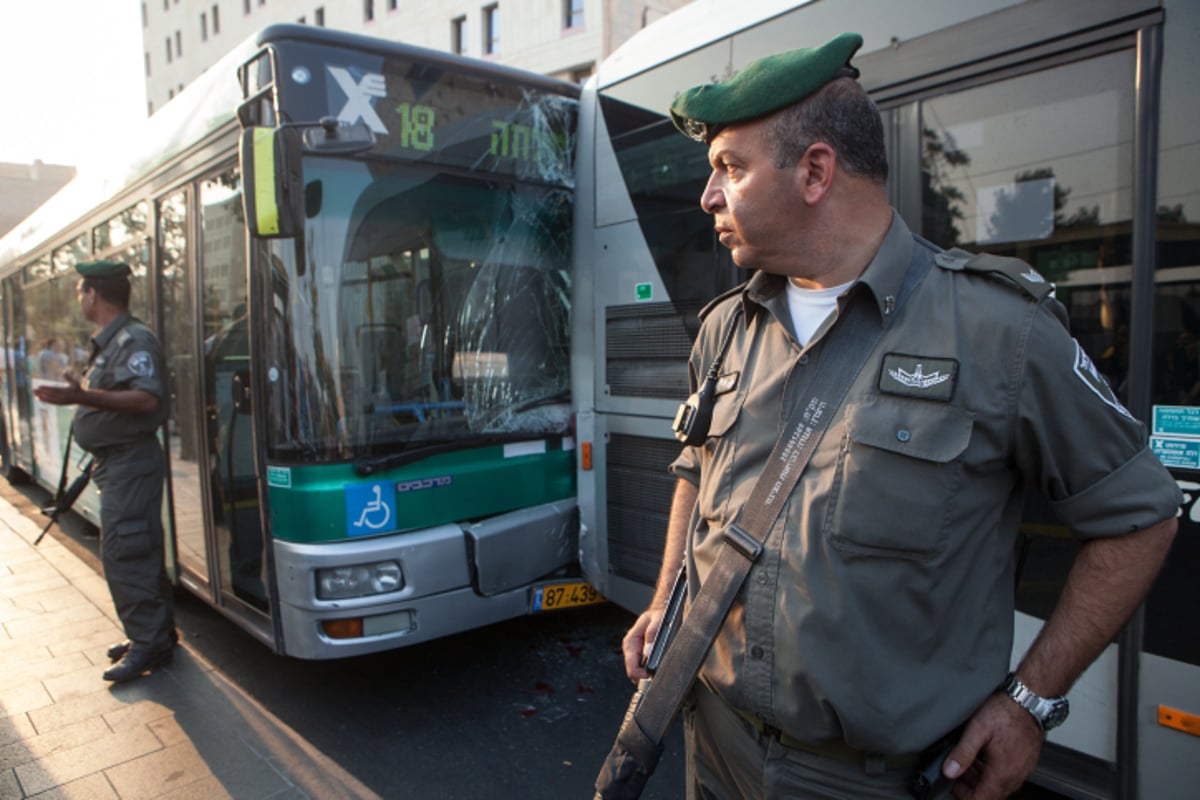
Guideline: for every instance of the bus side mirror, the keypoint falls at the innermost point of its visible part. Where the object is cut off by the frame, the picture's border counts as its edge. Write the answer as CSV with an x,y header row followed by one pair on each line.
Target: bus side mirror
x,y
272,182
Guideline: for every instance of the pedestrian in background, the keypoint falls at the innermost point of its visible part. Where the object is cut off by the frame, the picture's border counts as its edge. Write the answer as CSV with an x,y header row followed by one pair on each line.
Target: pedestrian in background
x,y
878,617
122,403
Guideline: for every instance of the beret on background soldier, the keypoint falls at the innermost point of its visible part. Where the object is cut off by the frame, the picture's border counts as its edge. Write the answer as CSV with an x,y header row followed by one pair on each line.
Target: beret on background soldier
x,y
765,85
103,269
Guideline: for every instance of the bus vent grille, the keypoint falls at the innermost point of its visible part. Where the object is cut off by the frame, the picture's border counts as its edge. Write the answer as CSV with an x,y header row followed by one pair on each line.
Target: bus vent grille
x,y
647,347
639,502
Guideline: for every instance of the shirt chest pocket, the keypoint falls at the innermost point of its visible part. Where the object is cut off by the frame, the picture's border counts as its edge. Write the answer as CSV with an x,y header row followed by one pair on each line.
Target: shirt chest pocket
x,y
726,409
898,472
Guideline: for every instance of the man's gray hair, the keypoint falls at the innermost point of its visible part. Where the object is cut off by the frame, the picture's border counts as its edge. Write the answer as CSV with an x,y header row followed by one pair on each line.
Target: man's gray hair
x,y
842,116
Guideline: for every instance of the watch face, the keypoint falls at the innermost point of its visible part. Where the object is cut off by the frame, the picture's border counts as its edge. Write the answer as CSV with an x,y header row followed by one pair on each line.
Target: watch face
x,y
1057,713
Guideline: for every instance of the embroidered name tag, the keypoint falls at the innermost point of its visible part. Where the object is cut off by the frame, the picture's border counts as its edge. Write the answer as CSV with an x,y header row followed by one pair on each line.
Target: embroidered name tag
x,y
918,376
727,382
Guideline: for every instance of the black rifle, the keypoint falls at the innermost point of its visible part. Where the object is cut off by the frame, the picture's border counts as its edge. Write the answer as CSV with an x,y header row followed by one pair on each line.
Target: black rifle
x,y
64,500
634,756
672,617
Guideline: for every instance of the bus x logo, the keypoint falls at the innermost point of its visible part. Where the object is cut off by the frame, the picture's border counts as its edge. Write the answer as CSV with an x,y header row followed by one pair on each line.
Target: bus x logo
x,y
358,104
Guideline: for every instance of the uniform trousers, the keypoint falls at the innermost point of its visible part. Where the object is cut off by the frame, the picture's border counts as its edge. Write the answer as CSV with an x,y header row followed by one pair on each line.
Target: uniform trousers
x,y
727,759
130,480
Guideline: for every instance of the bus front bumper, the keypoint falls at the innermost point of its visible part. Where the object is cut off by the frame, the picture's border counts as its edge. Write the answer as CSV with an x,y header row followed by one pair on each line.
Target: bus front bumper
x,y
453,578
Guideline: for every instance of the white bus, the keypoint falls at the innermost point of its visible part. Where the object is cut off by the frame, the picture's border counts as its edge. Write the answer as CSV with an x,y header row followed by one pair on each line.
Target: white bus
x,y
369,439
1066,132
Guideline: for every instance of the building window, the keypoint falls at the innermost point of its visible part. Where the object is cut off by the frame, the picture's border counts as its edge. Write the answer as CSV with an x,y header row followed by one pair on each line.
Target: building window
x,y
302,21
149,108
368,10
491,29
572,13
246,6
170,94
147,55
319,17
393,5
216,16
166,5
168,49
204,26
145,16
458,36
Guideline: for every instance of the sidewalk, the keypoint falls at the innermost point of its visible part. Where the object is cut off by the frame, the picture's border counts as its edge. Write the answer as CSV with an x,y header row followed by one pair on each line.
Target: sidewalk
x,y
184,732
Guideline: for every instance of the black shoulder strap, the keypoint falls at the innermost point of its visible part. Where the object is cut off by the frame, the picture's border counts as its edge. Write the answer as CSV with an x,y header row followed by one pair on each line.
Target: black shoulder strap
x,y
1012,271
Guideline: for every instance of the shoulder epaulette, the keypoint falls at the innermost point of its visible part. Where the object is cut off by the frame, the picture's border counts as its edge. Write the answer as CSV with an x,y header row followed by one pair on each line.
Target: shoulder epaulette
x,y
721,298
1013,271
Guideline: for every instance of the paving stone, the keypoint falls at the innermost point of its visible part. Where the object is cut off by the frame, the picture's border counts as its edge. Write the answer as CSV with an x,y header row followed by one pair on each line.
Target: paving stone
x,y
159,772
208,788
97,755
44,665
24,698
9,785
15,728
90,787
35,747
84,681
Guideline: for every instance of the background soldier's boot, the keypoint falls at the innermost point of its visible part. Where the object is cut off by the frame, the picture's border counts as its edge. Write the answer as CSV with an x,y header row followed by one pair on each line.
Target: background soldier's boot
x,y
135,664
118,650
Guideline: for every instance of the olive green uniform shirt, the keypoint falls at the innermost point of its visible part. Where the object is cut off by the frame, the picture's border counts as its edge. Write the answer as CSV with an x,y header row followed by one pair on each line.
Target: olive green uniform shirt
x,y
881,611
127,355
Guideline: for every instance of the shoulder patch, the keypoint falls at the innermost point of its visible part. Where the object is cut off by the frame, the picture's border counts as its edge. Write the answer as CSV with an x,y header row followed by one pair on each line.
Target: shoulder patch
x,y
141,364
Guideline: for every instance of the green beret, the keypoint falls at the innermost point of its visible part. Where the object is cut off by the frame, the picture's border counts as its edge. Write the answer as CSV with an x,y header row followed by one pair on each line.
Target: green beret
x,y
765,85
103,269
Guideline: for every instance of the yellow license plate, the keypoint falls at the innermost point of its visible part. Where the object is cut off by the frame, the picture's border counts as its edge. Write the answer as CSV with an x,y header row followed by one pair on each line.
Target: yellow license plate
x,y
554,596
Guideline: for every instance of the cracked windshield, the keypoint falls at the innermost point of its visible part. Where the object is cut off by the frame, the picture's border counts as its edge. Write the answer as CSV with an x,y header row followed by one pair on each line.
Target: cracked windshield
x,y
431,310
414,322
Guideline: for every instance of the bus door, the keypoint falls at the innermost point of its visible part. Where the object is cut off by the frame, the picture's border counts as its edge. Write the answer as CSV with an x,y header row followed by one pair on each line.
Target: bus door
x,y
1042,166
183,439
229,423
20,436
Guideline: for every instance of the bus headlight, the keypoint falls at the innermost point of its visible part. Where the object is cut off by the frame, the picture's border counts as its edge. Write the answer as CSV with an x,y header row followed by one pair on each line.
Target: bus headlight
x,y
359,580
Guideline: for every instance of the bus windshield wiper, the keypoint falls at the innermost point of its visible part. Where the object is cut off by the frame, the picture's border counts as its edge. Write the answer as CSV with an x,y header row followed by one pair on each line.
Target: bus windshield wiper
x,y
369,465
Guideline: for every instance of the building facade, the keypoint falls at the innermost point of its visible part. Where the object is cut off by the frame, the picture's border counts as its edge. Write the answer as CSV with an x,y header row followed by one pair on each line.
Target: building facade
x,y
24,187
560,38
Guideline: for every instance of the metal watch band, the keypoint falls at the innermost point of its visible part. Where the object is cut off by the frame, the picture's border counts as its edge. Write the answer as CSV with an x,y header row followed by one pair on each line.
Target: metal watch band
x,y
1049,712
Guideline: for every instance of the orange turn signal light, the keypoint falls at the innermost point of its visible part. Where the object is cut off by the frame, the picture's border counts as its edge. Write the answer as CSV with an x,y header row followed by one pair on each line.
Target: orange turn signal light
x,y
585,455
343,628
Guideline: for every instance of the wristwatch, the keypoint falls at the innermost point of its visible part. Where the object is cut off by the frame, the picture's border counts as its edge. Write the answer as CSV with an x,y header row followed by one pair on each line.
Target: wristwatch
x,y
1050,712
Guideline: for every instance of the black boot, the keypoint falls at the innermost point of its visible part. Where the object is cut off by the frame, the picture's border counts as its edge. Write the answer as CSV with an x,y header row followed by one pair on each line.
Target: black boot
x,y
135,664
118,650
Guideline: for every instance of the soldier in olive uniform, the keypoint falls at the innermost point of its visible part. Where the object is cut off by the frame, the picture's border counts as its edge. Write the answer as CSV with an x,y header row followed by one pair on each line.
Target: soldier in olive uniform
x,y
878,616
121,405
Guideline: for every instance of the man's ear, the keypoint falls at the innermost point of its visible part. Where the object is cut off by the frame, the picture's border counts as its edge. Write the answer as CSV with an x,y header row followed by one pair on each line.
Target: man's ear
x,y
818,165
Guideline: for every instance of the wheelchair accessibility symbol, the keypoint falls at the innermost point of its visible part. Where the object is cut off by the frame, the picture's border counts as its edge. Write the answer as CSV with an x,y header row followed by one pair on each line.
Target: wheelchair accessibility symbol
x,y
370,508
